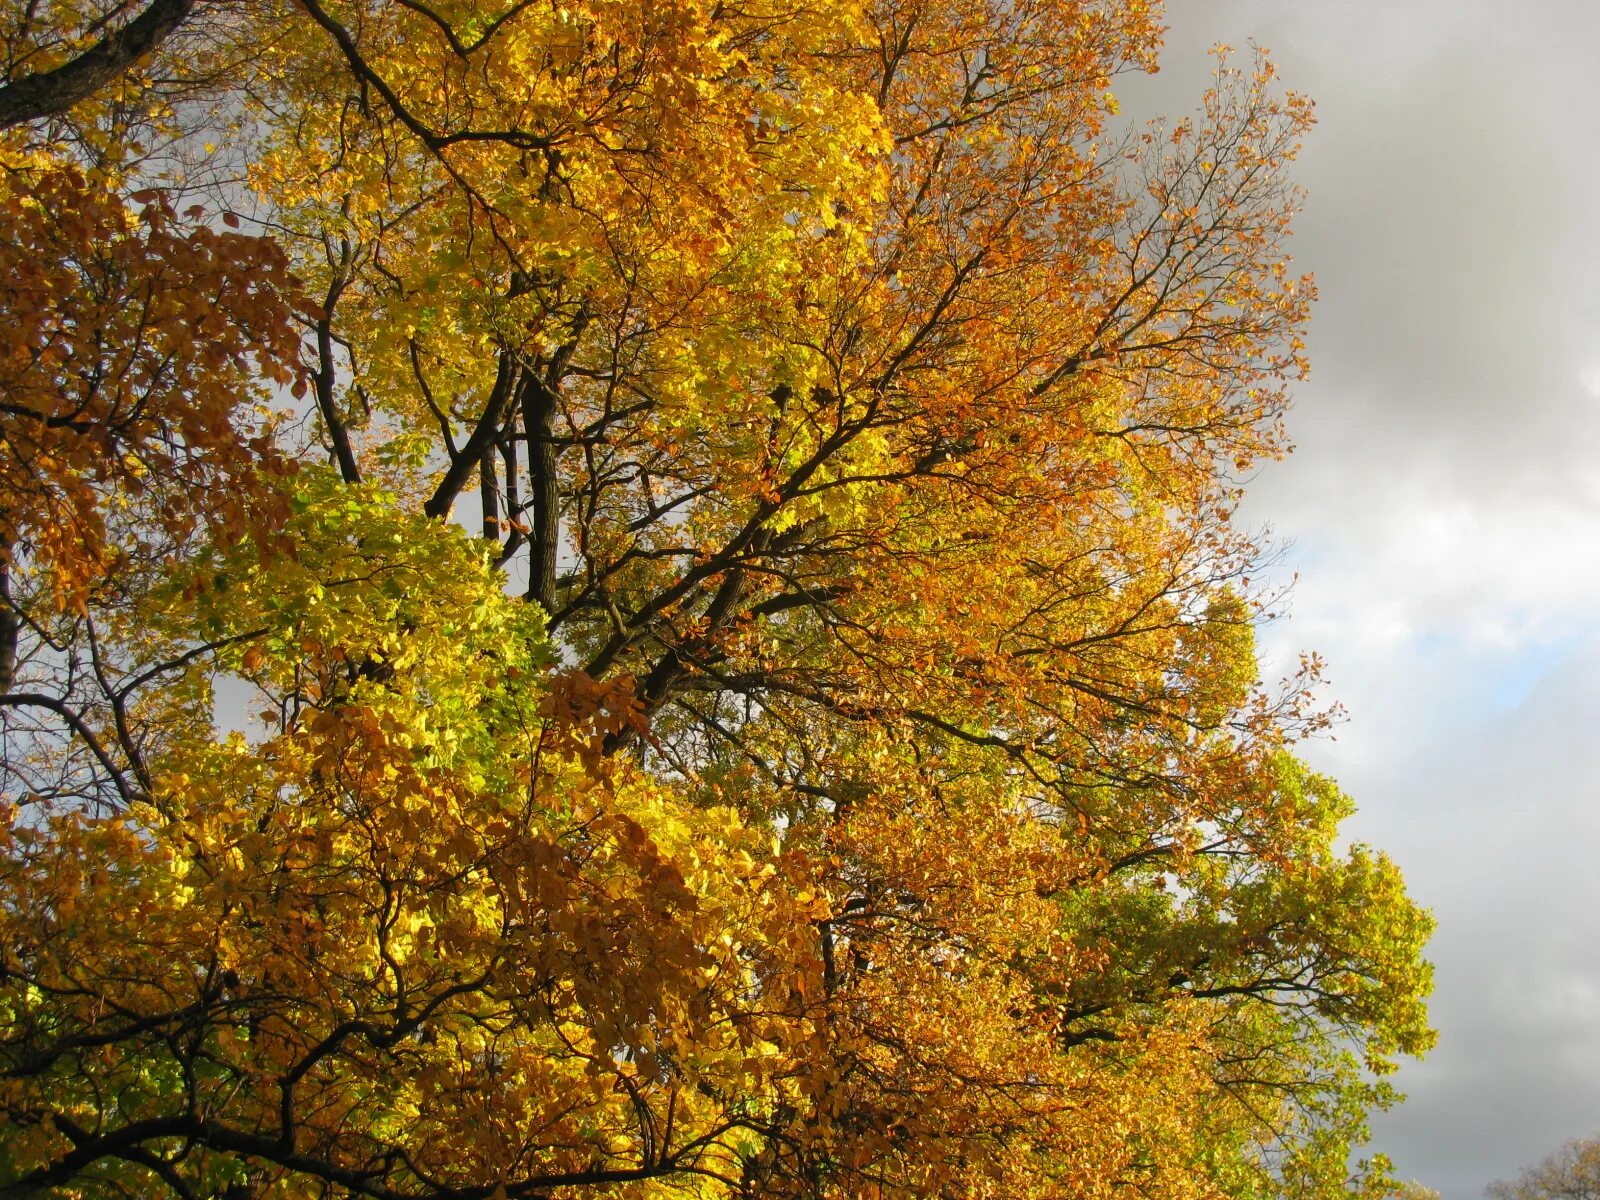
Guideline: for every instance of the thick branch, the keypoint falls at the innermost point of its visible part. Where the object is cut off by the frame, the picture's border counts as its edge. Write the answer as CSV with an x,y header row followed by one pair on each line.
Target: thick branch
x,y
10,628
489,494
538,421
53,92
323,381
484,435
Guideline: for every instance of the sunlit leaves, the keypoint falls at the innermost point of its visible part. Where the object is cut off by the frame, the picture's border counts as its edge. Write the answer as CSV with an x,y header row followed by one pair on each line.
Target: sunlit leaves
x,y
868,790
406,908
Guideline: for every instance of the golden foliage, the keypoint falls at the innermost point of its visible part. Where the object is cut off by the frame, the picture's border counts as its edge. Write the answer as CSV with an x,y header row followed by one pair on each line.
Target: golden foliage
x,y
865,788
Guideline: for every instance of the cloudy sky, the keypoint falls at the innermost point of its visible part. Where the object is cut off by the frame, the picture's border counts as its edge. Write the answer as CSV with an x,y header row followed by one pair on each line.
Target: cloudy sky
x,y
1444,512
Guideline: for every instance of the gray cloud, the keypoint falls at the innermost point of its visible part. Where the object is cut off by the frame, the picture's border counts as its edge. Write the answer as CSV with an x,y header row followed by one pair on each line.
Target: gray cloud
x,y
1494,817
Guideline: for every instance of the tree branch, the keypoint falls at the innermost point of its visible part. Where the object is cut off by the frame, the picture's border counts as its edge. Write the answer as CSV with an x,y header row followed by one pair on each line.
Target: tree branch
x,y
53,92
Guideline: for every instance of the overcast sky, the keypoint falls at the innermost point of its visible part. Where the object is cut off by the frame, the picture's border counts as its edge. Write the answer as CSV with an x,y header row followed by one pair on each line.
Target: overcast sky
x,y
1444,509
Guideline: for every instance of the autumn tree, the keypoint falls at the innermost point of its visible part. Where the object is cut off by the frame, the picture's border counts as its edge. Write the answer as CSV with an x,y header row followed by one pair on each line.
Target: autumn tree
x,y
832,763
1570,1173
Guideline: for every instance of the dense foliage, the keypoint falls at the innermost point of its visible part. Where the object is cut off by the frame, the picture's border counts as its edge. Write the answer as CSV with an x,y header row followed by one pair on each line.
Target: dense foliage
x,y
833,765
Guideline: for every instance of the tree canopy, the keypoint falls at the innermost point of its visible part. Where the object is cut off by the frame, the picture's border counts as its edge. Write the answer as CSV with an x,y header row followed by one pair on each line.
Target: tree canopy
x,y
830,760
